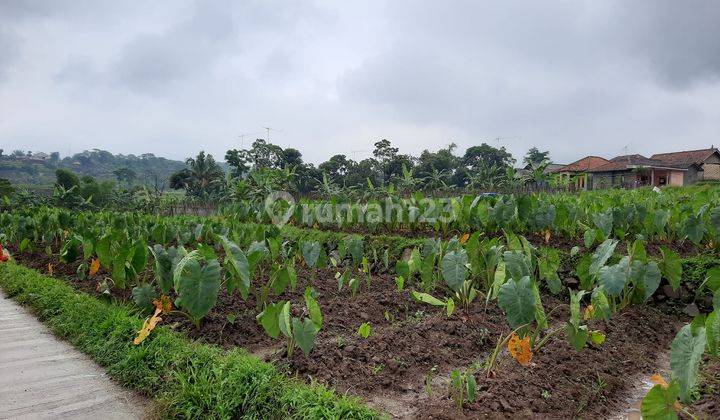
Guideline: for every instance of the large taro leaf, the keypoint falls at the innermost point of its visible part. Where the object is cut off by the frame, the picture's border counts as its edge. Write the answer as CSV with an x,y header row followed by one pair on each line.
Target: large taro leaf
x,y
102,249
671,267
164,264
311,252
516,266
604,222
694,229
614,278
313,308
659,403
517,299
304,333
197,285
601,255
685,353
139,257
237,265
269,318
454,269
646,278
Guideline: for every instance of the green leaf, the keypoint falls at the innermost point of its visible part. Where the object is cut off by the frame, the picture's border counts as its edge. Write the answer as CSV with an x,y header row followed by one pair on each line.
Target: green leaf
x,y
164,265
284,320
310,252
597,337
139,257
313,308
516,265
102,249
613,278
694,229
88,248
517,300
577,336
269,318
143,296
540,316
238,268
426,298
659,403
646,278
601,255
712,331
450,307
601,306
304,333
671,267
604,222
197,285
364,330
454,269
685,353
712,279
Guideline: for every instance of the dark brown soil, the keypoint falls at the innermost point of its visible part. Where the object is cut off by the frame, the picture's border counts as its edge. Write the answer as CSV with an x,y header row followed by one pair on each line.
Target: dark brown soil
x,y
413,347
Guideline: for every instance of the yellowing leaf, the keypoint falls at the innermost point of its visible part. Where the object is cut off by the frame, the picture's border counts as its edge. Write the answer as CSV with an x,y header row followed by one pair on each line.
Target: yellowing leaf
x,y
50,269
589,312
147,327
659,380
163,304
547,236
464,238
94,266
520,349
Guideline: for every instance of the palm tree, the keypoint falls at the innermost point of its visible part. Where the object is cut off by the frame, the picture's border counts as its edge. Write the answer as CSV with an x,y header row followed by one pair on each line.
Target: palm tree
x,y
205,175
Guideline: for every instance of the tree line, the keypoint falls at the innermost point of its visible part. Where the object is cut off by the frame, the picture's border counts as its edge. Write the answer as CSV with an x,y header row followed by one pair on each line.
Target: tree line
x,y
265,167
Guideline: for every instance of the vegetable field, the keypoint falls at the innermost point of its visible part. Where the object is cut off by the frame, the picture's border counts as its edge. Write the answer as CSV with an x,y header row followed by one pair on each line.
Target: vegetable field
x,y
547,306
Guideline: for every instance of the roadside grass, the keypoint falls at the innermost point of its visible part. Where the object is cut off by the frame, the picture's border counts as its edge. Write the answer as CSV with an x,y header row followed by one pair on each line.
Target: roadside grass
x,y
186,379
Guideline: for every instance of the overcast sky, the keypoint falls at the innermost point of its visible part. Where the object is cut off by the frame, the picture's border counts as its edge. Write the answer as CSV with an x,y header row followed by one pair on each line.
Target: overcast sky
x,y
174,77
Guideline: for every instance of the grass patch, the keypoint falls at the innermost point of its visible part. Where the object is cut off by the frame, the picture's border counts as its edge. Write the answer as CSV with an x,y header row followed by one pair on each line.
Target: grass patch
x,y
187,379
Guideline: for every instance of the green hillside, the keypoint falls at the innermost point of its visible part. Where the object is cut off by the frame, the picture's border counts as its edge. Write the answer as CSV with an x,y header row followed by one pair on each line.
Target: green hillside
x,y
38,169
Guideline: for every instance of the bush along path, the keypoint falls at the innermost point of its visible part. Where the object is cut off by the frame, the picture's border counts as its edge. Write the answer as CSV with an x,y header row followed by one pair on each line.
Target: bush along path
x,y
45,377
185,379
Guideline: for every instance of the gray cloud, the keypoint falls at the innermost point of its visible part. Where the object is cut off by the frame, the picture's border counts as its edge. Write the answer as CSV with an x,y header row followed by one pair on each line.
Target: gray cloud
x,y
173,77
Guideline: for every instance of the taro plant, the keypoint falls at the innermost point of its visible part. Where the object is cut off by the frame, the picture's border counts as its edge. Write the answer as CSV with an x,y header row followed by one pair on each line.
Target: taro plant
x,y
197,283
276,318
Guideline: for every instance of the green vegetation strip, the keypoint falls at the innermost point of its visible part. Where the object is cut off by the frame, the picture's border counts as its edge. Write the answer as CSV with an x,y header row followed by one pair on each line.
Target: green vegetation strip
x,y
187,379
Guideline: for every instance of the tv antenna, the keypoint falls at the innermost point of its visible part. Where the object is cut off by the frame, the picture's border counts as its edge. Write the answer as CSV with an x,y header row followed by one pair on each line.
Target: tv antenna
x,y
242,138
497,139
269,129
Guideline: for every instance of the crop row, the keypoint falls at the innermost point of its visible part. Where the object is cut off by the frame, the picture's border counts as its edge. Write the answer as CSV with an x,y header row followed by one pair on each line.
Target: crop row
x,y
672,214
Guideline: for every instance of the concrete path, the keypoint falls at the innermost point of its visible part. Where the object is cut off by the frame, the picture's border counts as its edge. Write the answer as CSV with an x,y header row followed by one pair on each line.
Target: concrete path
x,y
44,377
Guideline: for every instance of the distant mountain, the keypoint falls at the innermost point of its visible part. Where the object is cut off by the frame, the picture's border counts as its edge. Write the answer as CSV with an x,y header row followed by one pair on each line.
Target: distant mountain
x,y
38,169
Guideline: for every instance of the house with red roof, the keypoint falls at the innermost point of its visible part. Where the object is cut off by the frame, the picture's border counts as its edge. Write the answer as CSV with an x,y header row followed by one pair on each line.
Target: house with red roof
x,y
708,159
576,175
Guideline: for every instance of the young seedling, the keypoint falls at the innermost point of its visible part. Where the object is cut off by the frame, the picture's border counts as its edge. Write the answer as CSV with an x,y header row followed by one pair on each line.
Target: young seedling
x,y
463,388
364,330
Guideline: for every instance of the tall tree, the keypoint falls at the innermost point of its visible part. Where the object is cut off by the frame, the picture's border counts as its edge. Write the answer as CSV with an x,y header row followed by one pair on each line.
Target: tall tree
x,y
535,157
486,155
